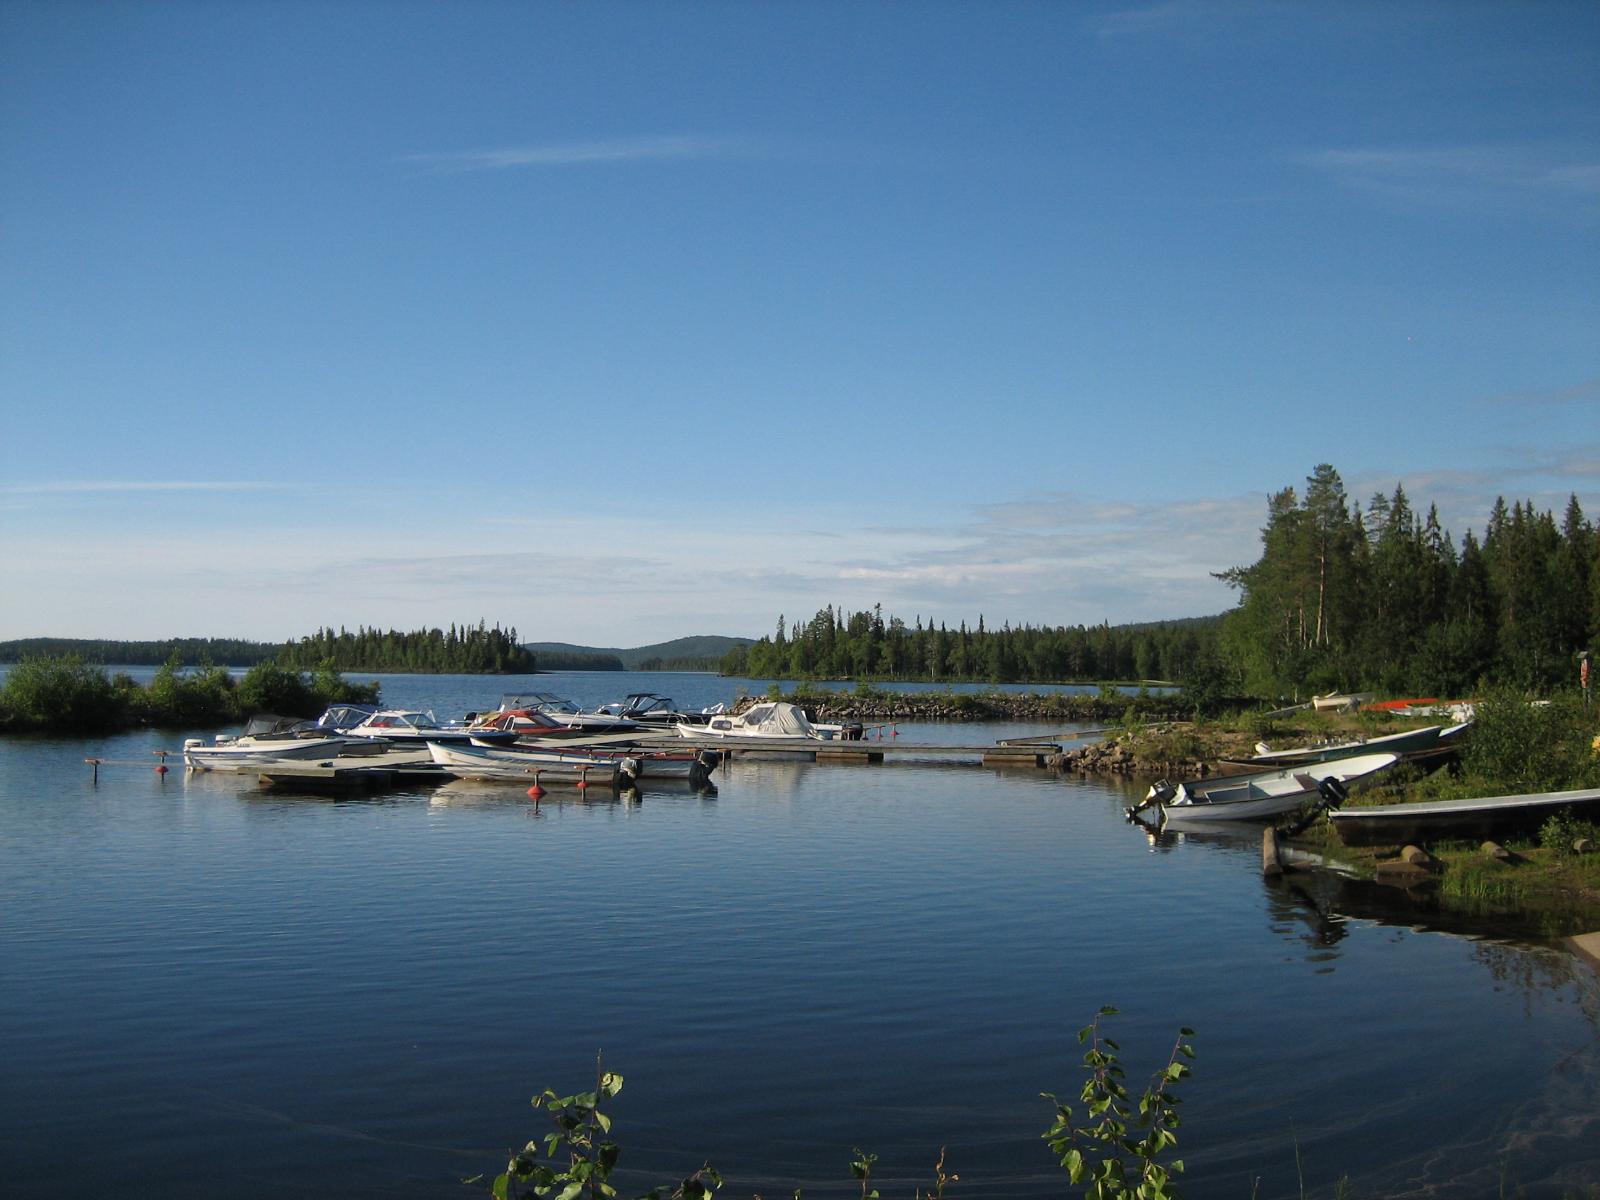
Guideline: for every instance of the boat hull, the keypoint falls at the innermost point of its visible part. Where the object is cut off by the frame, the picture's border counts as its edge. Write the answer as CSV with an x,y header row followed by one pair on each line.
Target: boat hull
x,y
1441,820
1263,795
237,757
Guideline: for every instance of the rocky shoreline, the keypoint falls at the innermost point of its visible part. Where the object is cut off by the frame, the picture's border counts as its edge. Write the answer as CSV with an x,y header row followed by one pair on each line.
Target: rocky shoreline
x,y
882,707
1164,743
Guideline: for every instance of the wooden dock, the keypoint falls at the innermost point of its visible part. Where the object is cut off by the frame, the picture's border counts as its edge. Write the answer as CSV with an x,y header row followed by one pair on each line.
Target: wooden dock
x,y
410,768
1029,754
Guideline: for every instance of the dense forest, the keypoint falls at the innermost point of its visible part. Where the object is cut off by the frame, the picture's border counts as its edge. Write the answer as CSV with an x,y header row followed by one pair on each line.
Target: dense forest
x,y
1341,598
1385,599
463,650
234,652
865,645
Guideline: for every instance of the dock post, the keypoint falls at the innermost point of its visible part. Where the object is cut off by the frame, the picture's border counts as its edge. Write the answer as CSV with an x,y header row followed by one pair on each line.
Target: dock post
x,y
1271,864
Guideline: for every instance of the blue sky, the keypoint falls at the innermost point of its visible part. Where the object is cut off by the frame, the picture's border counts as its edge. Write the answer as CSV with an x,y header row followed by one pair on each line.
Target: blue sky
x,y
618,322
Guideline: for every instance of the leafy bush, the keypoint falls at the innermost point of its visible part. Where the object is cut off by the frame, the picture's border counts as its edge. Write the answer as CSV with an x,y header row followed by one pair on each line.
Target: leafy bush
x,y
1118,1154
180,699
62,694
1562,829
268,688
1517,746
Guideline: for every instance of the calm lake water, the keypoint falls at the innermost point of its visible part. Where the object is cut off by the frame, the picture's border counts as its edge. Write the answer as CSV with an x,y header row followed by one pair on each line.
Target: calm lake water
x,y
207,989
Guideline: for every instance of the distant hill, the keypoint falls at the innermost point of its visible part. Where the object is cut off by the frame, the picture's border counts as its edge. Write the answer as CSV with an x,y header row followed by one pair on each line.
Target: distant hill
x,y
681,654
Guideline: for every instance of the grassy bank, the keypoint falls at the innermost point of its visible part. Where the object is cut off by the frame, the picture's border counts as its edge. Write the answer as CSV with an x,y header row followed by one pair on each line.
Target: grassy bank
x,y
1515,747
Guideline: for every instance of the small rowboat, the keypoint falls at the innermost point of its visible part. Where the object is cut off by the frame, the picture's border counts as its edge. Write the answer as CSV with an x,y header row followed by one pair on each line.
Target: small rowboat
x,y
1479,817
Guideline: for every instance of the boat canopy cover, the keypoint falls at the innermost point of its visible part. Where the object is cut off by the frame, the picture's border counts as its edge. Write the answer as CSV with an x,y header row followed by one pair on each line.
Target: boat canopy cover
x,y
779,717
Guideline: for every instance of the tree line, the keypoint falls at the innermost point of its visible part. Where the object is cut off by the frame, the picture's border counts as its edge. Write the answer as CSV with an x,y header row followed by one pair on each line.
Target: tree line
x,y
1342,598
235,652
460,650
463,650
1385,599
865,645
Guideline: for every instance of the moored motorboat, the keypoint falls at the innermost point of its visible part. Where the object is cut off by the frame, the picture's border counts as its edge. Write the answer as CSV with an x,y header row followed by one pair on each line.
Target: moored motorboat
x,y
773,721
564,713
411,726
654,710
1473,818
1264,794
266,738
470,761
483,761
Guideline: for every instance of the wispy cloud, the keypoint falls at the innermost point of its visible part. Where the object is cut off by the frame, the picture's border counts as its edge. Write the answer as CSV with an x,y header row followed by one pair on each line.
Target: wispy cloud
x,y
1586,392
1444,174
1150,18
607,150
79,486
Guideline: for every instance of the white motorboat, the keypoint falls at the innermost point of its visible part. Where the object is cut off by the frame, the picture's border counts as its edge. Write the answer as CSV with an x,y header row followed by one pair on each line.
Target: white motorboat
x,y
531,766
412,726
772,721
265,739
631,762
1261,795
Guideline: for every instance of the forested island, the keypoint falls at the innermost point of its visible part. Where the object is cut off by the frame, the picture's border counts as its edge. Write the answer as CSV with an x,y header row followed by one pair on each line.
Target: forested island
x,y
462,650
1342,598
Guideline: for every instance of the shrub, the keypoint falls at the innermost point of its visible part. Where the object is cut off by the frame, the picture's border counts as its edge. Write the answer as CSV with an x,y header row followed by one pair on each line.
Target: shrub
x,y
268,688
1525,747
179,699
1562,829
62,694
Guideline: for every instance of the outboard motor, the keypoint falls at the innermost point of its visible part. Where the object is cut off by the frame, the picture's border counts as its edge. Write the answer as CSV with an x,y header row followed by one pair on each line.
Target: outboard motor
x,y
1161,793
1333,791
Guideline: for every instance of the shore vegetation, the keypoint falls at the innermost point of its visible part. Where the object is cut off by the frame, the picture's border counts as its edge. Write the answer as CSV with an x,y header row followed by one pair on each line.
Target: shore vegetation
x,y
1342,598
67,695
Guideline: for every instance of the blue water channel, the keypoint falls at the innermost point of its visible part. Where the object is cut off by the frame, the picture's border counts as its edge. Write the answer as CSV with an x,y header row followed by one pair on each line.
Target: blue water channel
x,y
210,989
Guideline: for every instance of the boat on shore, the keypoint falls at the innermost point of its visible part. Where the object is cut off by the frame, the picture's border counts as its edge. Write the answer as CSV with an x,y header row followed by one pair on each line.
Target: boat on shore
x,y
1410,743
1468,819
1264,794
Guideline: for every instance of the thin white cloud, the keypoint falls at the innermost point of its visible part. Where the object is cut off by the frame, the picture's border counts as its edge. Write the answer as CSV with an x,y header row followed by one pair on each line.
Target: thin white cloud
x,y
1440,174
1150,19
1586,392
59,487
566,154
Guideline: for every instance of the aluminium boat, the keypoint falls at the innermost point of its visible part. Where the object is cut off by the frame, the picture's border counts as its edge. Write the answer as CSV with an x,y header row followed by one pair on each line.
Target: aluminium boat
x,y
1473,818
1262,795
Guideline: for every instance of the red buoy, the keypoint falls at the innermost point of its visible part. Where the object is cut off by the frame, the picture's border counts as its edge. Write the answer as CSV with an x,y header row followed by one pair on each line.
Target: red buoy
x,y
535,791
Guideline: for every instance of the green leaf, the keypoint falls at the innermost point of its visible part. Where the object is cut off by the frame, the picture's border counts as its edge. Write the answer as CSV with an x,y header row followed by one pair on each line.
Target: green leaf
x,y
610,1083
